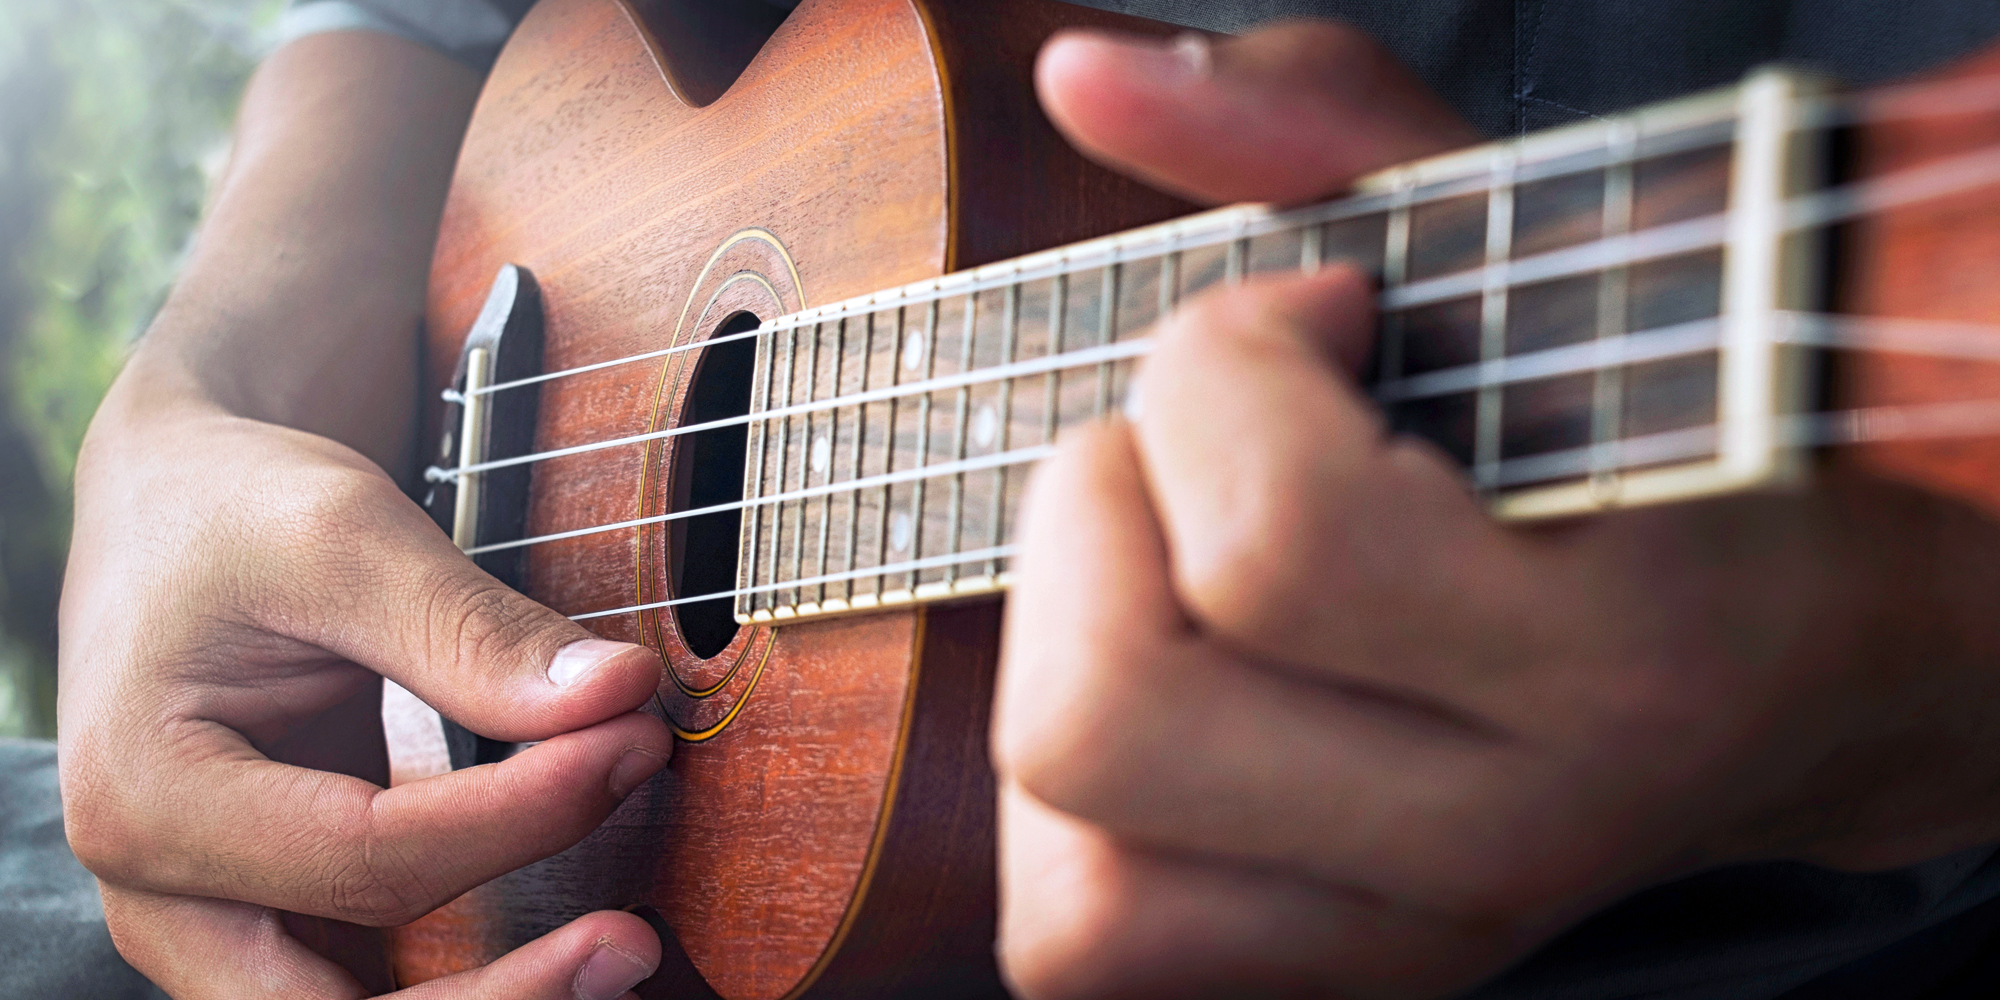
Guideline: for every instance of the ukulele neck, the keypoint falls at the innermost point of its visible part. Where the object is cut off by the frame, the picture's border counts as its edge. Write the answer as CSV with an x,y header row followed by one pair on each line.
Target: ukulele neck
x,y
1586,318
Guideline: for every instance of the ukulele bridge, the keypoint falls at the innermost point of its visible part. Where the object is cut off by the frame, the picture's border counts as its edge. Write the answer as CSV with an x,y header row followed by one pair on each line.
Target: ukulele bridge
x,y
487,420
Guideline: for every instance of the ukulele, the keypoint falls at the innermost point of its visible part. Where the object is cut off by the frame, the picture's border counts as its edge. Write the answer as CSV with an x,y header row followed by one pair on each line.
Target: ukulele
x,y
745,351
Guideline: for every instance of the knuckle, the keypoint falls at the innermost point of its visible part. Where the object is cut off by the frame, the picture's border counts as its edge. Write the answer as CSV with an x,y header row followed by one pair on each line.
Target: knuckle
x,y
1239,576
478,617
379,887
97,843
362,874
329,502
1085,739
93,820
323,523
363,895
130,938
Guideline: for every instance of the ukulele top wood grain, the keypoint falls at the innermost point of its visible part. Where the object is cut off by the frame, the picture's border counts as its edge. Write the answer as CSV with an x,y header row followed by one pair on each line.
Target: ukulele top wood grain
x,y
871,142
584,167
826,828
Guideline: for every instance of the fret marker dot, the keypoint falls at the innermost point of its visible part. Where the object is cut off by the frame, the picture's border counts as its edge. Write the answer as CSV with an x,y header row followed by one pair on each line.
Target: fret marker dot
x,y
900,529
985,426
913,351
822,453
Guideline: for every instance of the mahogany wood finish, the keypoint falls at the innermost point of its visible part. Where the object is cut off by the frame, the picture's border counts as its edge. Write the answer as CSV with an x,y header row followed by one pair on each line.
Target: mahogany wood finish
x,y
834,838
826,831
1932,260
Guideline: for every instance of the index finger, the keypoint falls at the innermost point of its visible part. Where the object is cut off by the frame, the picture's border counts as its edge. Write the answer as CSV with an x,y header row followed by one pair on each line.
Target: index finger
x,y
224,821
1301,532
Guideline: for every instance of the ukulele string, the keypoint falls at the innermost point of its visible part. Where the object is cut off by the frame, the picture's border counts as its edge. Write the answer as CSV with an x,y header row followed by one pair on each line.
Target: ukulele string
x,y
1830,331
1899,103
1973,418
1801,329
1013,457
1904,187
890,569
1865,425
1080,358
1909,186
1193,233
1905,102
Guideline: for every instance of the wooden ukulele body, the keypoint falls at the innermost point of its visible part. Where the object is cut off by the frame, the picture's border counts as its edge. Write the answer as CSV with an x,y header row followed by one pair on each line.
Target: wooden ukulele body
x,y
833,836
827,831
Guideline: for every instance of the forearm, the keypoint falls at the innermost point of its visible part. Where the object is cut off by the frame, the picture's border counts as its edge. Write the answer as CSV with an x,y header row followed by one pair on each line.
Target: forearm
x,y
300,302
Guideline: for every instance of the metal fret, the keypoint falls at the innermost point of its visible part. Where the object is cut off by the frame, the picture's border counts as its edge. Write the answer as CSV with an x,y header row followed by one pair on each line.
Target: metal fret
x,y
746,570
1764,270
1107,332
832,435
1607,391
897,366
1395,271
916,512
961,409
1493,319
784,446
1052,382
805,457
1010,325
1759,276
855,453
1225,248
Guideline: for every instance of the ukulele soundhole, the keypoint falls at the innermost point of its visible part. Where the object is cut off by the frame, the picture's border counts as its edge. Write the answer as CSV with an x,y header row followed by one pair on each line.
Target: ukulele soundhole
x,y
709,471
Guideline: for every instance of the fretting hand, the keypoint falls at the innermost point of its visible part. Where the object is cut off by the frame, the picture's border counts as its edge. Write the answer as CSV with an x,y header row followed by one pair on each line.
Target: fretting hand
x,y
1284,712
243,571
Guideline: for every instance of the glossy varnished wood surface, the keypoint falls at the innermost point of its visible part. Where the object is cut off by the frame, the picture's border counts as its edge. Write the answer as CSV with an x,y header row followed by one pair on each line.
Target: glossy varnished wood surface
x,y
1933,260
849,800
583,166
834,837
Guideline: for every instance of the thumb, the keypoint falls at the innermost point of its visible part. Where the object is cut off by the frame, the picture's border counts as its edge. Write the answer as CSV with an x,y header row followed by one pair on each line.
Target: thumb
x,y
417,611
1287,113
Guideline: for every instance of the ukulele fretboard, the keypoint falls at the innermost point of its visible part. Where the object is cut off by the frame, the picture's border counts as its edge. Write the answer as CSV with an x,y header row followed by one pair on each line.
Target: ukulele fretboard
x,y
1585,318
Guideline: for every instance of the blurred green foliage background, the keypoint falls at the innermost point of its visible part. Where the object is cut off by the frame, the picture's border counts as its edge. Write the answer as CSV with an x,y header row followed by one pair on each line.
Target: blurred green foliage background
x,y
114,117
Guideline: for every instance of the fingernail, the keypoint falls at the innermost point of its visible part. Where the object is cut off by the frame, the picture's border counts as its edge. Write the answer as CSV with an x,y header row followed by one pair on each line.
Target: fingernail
x,y
575,661
633,769
1187,57
608,973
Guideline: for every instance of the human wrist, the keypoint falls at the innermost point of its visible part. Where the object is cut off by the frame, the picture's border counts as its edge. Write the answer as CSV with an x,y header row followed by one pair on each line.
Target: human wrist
x,y
284,350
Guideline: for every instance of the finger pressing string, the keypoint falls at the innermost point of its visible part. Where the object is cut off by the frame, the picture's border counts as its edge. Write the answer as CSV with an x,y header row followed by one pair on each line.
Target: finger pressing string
x,y
357,852
1935,180
1969,418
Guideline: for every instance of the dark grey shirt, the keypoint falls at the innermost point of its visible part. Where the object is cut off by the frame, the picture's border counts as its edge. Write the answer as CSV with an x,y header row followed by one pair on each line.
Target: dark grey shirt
x,y
53,945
